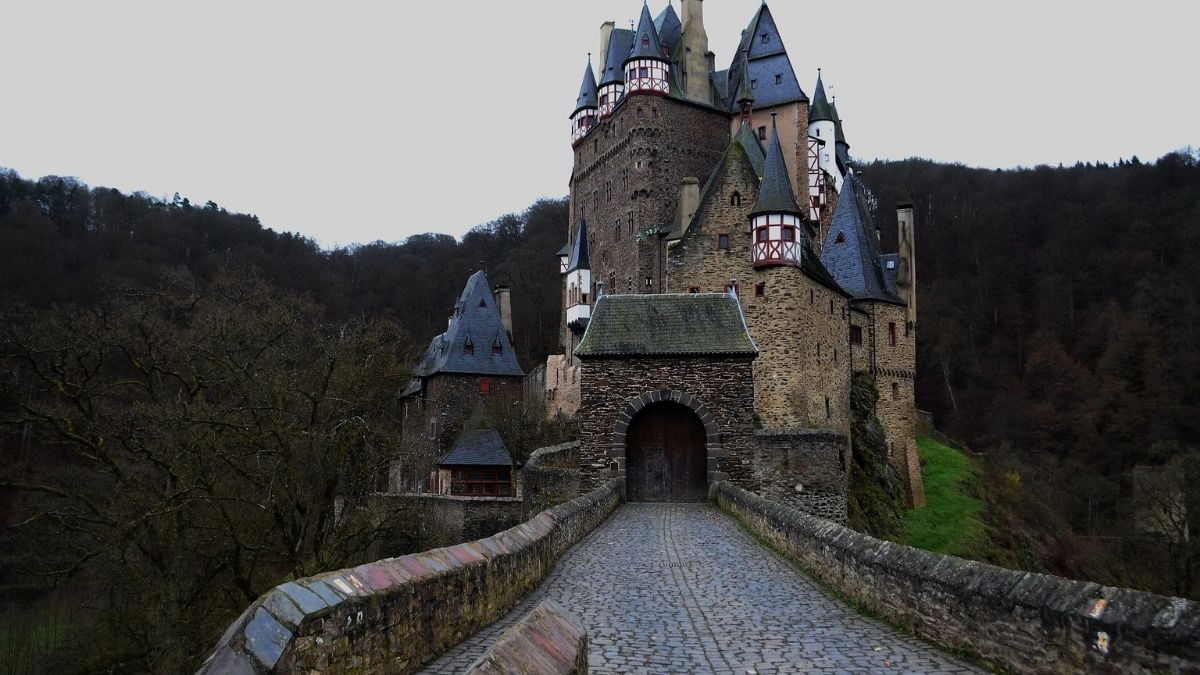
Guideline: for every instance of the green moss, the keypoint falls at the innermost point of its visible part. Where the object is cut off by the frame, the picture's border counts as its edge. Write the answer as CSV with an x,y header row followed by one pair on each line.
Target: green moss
x,y
950,520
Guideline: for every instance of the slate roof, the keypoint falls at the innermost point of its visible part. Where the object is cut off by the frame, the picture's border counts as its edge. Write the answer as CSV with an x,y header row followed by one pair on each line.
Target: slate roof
x,y
669,27
839,135
855,263
841,148
483,447
476,320
820,111
579,253
620,42
702,324
565,250
588,97
646,44
891,268
775,190
762,62
744,93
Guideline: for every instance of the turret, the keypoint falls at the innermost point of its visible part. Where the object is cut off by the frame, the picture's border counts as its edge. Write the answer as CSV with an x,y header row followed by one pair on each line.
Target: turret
x,y
841,148
586,106
697,71
776,221
579,282
821,126
745,96
647,67
612,78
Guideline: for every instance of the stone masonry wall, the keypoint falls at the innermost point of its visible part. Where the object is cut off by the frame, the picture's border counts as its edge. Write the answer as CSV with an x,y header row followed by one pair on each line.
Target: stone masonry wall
x,y
804,468
396,614
551,477
1016,621
801,327
722,385
549,640
438,520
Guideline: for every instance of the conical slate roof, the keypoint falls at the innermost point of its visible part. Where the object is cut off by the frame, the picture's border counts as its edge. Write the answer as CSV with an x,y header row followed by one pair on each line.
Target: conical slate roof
x,y
669,27
588,97
839,136
646,44
744,94
775,191
851,250
476,321
820,110
619,44
579,253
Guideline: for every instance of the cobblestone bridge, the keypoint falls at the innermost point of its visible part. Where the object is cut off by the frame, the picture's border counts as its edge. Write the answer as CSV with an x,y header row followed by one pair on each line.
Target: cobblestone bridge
x,y
680,588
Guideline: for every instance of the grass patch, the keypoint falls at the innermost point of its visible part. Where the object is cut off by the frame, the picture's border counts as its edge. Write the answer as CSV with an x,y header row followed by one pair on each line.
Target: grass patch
x,y
950,520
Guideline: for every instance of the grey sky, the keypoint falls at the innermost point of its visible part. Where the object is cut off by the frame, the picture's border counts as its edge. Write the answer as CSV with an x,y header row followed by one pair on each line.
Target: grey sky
x,y
356,121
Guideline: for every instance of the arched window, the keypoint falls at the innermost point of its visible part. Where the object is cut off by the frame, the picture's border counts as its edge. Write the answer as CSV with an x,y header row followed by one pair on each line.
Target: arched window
x,y
736,199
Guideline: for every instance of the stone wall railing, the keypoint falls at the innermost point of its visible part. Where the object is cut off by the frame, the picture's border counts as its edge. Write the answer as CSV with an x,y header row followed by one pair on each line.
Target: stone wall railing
x,y
551,476
548,640
396,614
1019,621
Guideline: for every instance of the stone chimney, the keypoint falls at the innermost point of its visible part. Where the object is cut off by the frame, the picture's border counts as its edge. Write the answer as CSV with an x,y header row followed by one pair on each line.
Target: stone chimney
x,y
689,200
695,53
606,30
504,302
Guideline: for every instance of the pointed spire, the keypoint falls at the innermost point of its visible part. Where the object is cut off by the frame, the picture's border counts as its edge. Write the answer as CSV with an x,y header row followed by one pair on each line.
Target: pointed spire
x,y
820,111
579,253
851,250
646,44
745,95
588,97
839,136
775,191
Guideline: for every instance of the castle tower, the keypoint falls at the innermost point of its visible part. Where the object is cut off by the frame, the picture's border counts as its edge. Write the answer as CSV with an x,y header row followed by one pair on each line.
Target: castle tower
x,y
647,68
612,78
586,106
579,283
776,219
697,70
821,125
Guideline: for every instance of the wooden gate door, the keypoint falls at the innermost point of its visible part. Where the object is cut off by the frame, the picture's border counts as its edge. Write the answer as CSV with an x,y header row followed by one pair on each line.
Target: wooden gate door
x,y
665,456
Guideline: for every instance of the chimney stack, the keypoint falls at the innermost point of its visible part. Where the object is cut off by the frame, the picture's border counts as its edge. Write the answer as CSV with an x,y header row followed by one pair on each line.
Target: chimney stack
x,y
606,30
906,276
504,302
689,201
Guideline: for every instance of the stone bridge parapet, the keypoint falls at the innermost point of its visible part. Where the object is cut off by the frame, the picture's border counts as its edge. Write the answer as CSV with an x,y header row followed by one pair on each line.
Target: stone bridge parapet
x,y
1019,621
396,614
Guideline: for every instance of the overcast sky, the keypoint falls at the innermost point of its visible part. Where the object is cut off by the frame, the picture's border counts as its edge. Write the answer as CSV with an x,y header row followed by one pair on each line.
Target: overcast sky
x,y
354,121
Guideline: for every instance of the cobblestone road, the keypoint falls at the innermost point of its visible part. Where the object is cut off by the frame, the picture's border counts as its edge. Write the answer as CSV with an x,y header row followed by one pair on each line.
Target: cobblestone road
x,y
682,589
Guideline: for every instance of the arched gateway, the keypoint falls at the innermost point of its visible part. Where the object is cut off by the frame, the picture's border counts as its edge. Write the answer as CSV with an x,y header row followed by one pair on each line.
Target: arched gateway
x,y
666,455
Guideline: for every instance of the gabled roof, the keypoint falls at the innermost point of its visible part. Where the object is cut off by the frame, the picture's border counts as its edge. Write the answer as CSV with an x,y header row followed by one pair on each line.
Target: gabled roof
x,y
579,253
744,144
851,250
703,324
763,61
482,447
775,190
620,42
646,44
891,269
820,111
669,27
476,319
587,91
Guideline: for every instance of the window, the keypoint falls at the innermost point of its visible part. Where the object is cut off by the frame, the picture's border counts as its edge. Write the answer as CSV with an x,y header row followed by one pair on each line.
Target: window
x,y
468,348
895,391
841,238
603,100
789,234
646,41
643,72
831,306
723,242
856,335
617,232
624,179
762,234
835,356
497,350
654,113
760,289
608,191
649,282
818,350
595,199
828,409
631,222
736,199
754,84
762,133
778,78
766,38
485,385
693,289
482,302
583,298
640,113
811,297
891,334
733,287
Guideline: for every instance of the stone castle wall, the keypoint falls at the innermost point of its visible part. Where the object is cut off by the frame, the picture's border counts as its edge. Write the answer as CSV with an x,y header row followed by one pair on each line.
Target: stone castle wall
x,y
551,477
723,386
1016,621
800,327
396,614
803,468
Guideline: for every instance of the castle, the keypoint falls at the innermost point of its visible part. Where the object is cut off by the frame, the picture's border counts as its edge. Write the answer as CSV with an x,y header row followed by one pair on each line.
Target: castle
x,y
690,182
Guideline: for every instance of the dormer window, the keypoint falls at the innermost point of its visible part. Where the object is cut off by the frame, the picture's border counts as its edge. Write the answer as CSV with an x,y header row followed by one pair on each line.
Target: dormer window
x,y
468,348
778,78
841,238
497,350
754,84
645,40
766,38
482,303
